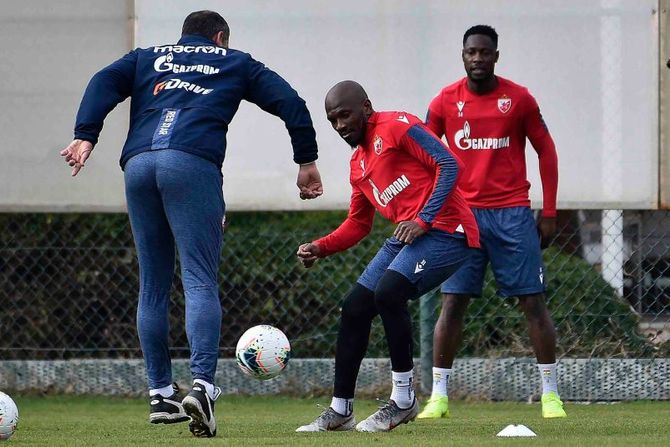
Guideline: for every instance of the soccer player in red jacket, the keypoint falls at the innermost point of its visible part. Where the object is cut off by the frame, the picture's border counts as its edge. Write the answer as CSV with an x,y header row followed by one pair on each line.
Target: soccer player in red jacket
x,y
402,170
486,120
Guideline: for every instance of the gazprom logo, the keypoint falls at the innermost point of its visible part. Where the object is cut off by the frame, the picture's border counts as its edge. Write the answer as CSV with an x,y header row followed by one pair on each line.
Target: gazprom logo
x,y
391,190
164,63
464,142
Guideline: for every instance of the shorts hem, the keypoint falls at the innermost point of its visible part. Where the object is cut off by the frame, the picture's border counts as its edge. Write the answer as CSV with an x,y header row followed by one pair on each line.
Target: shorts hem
x,y
521,292
462,292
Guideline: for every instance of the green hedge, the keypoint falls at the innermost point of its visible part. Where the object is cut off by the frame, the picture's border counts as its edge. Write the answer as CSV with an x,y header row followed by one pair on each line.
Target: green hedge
x,y
69,288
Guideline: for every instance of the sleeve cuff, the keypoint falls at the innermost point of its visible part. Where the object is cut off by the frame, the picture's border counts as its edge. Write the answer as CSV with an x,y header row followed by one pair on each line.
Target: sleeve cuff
x,y
86,137
549,213
422,224
322,252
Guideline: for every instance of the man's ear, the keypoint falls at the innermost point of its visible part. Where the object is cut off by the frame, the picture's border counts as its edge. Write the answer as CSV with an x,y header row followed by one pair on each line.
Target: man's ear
x,y
221,39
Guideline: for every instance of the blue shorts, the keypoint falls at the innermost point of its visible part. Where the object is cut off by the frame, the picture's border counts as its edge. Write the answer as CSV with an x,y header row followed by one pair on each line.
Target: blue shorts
x,y
426,262
509,240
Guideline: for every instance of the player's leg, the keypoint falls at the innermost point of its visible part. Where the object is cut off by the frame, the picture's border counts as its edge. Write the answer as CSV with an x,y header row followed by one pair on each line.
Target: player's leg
x,y
543,338
193,201
156,257
517,265
358,311
446,341
418,268
456,293
540,328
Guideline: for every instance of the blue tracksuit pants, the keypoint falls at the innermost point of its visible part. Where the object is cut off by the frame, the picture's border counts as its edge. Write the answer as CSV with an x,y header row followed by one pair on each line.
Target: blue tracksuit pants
x,y
175,199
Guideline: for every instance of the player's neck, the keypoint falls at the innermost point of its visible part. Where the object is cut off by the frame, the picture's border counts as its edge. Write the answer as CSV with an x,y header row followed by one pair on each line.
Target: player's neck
x,y
484,86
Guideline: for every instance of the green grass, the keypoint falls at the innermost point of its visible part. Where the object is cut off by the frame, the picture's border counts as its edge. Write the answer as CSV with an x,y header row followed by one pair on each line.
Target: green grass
x,y
261,421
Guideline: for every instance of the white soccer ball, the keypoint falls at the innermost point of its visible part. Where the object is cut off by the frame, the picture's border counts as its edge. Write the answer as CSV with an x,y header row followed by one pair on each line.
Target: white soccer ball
x,y
9,416
262,352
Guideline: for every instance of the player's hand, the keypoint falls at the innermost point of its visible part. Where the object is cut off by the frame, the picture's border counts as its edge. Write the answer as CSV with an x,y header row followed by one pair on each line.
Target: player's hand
x,y
308,254
309,181
546,228
408,231
76,154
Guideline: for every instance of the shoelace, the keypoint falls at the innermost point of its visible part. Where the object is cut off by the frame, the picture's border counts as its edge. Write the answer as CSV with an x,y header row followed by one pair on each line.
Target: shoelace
x,y
326,412
386,410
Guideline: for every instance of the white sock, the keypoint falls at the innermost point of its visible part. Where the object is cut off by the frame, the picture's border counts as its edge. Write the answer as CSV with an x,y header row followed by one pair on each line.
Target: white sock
x,y
548,375
342,405
441,382
403,388
208,387
166,391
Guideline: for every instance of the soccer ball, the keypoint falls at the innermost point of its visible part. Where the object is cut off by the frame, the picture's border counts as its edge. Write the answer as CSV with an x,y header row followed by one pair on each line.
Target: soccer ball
x,y
9,416
262,352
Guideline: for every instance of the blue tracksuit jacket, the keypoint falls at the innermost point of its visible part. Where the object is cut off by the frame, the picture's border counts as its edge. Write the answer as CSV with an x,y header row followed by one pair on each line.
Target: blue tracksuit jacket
x,y
184,95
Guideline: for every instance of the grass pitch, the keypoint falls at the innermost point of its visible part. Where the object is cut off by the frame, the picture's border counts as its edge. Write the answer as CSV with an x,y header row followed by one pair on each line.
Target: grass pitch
x,y
261,421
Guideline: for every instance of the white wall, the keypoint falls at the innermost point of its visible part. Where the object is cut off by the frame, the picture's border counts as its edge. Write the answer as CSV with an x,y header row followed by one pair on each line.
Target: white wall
x,y
402,52
49,51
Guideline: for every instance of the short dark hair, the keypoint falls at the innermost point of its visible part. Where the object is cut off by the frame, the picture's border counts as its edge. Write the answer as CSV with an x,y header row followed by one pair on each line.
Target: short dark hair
x,y
482,29
205,23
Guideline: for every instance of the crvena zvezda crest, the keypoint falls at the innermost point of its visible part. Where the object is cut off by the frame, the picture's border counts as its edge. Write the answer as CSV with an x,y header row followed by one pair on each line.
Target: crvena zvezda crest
x,y
378,144
504,104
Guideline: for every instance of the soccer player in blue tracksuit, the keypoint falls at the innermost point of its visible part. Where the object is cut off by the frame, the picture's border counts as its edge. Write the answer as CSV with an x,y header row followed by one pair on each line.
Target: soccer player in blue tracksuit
x,y
183,97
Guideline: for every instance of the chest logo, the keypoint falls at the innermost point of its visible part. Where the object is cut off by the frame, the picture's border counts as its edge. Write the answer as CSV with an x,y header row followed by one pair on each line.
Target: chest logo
x,y
460,105
378,144
504,103
464,141
390,192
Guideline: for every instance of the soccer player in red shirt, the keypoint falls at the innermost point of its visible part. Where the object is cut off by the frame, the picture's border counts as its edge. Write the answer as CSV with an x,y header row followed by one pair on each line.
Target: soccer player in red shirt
x,y
486,120
402,170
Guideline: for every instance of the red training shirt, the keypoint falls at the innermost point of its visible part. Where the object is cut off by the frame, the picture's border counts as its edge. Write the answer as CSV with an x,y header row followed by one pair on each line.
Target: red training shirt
x,y
488,132
406,173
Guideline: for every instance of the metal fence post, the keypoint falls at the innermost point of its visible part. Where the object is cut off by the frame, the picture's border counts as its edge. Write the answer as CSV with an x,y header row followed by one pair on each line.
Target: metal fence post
x,y
427,319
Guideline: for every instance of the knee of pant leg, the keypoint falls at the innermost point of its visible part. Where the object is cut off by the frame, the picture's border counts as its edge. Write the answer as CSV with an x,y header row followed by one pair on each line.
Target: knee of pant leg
x,y
393,289
359,303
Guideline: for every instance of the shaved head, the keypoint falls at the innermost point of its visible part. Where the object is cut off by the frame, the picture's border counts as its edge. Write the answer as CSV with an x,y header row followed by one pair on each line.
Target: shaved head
x,y
346,91
348,109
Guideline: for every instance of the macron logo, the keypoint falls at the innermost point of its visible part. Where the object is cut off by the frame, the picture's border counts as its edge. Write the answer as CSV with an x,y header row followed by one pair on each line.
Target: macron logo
x,y
402,119
419,266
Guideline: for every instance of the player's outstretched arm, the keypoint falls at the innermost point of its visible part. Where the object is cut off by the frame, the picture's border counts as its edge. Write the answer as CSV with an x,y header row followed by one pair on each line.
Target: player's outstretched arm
x,y
309,181
76,154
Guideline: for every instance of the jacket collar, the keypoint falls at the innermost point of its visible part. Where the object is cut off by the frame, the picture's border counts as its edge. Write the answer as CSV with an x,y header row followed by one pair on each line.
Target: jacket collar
x,y
192,38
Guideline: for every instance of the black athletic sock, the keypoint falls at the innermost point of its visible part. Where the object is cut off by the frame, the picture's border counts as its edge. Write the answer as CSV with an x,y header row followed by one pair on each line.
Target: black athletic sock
x,y
391,296
358,310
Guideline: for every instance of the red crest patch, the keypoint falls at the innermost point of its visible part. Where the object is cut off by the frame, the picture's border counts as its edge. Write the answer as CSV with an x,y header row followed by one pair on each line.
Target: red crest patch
x,y
504,104
378,144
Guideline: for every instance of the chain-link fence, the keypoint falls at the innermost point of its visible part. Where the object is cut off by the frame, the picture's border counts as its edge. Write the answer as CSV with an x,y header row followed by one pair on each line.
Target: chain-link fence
x,y
68,288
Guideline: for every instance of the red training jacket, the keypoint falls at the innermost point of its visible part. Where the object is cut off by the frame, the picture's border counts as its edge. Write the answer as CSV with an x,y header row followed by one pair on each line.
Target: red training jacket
x,y
488,132
406,173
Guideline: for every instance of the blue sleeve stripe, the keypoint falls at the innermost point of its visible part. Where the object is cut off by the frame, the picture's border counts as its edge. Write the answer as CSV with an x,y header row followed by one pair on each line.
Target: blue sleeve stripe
x,y
448,171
